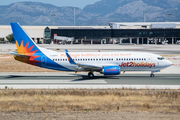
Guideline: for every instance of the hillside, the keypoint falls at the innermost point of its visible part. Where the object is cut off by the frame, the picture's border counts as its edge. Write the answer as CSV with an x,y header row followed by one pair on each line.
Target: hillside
x,y
35,13
99,13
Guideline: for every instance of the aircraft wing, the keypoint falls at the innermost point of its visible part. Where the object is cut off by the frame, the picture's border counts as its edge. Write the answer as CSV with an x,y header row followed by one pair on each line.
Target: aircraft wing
x,y
86,66
90,67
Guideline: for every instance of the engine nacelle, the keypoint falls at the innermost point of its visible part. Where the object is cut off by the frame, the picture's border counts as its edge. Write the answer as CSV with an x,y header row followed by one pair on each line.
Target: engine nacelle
x,y
111,70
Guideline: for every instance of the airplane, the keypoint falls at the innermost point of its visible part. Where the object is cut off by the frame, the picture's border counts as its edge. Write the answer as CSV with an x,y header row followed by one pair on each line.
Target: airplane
x,y
63,40
107,63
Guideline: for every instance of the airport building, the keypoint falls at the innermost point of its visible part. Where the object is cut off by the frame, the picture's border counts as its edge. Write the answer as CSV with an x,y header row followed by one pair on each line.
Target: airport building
x,y
124,33
115,33
36,32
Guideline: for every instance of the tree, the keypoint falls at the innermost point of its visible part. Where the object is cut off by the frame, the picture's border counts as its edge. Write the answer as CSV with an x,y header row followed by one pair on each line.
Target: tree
x,y
10,37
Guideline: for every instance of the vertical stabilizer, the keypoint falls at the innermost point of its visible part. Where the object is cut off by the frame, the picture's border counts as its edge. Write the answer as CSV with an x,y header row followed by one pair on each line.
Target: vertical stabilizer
x,y
25,45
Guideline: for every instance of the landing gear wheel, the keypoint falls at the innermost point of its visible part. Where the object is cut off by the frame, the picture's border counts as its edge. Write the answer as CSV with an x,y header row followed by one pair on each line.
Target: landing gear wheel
x,y
91,75
152,75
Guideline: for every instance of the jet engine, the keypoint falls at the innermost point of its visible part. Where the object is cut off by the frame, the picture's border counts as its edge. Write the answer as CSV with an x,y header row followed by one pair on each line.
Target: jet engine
x,y
111,70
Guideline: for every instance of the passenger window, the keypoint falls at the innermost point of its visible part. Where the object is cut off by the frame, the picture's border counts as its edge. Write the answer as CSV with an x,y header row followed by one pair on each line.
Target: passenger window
x,y
96,59
144,58
88,59
134,58
139,58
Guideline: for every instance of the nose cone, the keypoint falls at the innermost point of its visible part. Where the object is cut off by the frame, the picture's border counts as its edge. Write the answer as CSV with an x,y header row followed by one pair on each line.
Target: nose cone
x,y
168,63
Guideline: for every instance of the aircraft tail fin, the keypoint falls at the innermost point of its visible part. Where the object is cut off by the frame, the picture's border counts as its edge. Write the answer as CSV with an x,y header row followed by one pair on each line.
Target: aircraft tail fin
x,y
25,45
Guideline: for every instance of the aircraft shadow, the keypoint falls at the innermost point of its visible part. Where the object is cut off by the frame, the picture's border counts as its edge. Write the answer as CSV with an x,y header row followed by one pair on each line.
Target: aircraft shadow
x,y
76,77
85,77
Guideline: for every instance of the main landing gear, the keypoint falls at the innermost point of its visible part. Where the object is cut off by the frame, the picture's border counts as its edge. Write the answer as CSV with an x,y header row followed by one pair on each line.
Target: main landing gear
x,y
90,74
151,75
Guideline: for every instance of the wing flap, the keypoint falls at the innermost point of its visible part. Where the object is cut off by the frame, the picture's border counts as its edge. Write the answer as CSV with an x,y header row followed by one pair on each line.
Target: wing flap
x,y
90,67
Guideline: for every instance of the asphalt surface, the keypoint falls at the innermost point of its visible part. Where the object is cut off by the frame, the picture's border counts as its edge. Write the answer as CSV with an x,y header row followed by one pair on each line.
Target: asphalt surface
x,y
167,78
157,49
82,79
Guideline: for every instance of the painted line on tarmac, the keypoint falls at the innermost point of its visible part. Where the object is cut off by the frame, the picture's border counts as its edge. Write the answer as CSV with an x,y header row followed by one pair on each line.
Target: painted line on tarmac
x,y
170,55
90,87
11,82
173,58
176,64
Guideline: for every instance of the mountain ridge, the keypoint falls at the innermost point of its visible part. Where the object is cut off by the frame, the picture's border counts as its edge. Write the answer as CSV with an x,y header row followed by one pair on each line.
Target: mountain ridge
x,y
99,13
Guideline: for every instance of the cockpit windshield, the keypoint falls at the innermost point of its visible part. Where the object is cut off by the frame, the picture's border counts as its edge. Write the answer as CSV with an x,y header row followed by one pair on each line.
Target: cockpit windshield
x,y
160,58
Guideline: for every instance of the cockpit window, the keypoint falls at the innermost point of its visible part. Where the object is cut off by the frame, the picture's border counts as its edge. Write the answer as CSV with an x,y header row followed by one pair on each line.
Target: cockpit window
x,y
160,58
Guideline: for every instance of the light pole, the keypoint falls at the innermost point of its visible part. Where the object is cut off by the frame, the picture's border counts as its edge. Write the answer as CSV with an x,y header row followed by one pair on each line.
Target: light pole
x,y
144,16
53,18
74,16
169,17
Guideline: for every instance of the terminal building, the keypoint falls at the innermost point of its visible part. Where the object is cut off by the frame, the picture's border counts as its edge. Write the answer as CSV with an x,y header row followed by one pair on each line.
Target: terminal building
x,y
115,33
124,33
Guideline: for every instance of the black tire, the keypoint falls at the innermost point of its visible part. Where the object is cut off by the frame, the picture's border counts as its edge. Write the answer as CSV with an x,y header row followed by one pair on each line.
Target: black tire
x,y
90,75
152,75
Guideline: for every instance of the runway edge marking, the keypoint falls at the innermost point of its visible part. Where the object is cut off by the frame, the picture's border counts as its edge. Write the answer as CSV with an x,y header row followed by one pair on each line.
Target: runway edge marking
x,y
89,86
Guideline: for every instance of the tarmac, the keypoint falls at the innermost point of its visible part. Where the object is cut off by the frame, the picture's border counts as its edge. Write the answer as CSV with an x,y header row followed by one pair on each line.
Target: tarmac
x,y
168,78
157,49
81,80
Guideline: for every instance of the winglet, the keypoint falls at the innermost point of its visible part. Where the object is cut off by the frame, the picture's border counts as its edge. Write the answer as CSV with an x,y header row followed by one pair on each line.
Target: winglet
x,y
66,50
71,61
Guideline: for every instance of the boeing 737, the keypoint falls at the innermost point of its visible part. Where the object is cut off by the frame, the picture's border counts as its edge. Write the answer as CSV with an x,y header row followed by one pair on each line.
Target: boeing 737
x,y
107,63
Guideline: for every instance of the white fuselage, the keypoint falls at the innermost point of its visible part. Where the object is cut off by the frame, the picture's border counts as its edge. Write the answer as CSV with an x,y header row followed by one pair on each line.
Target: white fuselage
x,y
128,61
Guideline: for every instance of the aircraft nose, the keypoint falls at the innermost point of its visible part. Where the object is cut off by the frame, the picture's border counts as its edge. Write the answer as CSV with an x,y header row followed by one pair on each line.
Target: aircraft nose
x,y
168,63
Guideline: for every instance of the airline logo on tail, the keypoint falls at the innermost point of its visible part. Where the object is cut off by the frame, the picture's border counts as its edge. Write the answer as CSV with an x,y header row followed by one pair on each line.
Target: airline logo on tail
x,y
25,46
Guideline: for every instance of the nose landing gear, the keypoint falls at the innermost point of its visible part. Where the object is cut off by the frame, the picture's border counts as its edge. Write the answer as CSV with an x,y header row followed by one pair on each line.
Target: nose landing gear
x,y
152,75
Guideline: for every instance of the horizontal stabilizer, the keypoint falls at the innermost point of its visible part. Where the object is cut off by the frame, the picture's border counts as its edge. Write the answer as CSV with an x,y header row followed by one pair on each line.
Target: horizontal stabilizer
x,y
17,54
